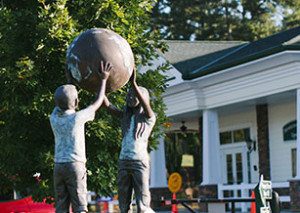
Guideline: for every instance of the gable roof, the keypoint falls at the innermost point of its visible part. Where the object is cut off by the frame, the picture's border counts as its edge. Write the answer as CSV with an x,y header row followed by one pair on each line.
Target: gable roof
x,y
187,56
196,59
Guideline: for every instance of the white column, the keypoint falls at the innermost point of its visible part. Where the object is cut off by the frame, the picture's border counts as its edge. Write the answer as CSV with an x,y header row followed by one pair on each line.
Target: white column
x,y
158,173
211,148
298,134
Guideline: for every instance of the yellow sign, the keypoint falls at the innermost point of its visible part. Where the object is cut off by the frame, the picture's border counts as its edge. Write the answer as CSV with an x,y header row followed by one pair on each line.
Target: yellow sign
x,y
174,182
187,161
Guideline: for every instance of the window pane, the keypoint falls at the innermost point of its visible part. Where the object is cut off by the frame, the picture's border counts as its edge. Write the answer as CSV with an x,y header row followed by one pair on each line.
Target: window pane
x,y
225,138
238,135
229,169
228,193
239,167
241,135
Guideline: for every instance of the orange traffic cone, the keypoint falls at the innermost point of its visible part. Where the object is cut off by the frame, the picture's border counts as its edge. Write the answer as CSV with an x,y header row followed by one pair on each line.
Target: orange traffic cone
x,y
253,205
174,206
104,207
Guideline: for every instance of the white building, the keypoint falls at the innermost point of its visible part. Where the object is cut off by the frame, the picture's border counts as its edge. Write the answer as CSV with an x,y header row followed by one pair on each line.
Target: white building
x,y
230,93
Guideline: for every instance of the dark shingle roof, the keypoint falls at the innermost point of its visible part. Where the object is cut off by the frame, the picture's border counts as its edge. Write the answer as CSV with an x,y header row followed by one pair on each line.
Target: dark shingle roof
x,y
286,40
187,56
198,58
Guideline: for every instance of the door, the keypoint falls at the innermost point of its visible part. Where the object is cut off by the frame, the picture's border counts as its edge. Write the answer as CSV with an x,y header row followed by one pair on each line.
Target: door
x,y
234,167
235,171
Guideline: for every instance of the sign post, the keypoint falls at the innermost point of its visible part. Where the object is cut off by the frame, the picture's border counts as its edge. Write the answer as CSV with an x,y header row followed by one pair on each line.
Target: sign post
x,y
174,185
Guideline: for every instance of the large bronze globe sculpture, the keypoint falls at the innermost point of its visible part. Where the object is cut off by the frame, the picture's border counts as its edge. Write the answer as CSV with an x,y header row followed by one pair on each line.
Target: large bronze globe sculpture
x,y
86,52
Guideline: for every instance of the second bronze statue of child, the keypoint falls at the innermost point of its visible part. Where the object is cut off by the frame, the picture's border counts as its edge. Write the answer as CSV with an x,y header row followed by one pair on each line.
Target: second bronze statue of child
x,y
138,120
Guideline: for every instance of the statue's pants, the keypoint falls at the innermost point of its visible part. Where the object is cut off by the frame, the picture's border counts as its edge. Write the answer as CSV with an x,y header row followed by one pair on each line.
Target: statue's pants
x,y
134,176
70,187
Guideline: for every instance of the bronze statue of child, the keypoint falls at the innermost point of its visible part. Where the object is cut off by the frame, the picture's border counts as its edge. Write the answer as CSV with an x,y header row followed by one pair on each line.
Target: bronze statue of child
x,y
68,129
138,120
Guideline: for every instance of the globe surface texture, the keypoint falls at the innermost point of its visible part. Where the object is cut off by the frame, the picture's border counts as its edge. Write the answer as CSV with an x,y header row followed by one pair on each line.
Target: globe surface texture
x,y
86,52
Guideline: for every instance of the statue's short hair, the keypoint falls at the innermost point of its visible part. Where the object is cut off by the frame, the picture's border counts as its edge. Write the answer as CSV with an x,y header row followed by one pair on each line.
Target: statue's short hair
x,y
65,97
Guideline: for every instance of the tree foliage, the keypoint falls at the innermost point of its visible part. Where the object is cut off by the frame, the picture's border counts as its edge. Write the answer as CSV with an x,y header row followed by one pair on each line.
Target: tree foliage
x,y
224,19
34,36
291,14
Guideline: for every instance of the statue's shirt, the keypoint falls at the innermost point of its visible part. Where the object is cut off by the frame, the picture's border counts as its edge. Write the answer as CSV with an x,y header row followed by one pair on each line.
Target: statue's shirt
x,y
135,138
68,130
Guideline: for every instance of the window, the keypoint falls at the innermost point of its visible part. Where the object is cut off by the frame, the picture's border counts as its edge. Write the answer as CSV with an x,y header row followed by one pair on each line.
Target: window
x,y
294,162
234,136
225,137
290,131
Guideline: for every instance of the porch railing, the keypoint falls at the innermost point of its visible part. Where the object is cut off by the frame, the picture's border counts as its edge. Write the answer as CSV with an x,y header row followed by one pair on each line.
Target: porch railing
x,y
245,191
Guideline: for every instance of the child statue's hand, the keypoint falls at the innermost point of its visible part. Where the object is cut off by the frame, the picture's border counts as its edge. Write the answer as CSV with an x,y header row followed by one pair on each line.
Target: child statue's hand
x,y
105,70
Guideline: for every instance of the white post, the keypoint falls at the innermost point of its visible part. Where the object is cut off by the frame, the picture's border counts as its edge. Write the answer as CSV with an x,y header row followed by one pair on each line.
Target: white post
x,y
245,194
15,195
298,135
216,208
158,174
211,148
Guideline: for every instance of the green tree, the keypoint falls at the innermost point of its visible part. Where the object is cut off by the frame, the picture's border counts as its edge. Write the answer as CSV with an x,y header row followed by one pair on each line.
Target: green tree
x,y
257,20
34,36
196,19
291,14
223,19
